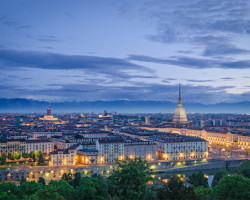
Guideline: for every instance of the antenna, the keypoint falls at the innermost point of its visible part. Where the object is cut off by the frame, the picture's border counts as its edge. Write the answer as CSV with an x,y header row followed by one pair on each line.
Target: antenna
x,y
179,93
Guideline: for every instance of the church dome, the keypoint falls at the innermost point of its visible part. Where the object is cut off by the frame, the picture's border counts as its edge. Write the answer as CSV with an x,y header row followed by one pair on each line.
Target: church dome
x,y
180,115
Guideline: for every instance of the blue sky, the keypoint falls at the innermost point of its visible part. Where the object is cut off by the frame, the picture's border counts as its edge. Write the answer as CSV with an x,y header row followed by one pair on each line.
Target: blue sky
x,y
125,50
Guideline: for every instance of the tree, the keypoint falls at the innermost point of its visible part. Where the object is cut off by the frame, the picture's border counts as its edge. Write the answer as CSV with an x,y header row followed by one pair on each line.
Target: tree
x,y
246,173
41,180
129,180
48,193
25,155
23,180
244,165
31,154
244,168
11,156
40,159
65,177
198,179
218,176
101,186
9,191
175,190
63,188
232,187
17,156
38,154
77,180
2,160
29,188
203,193
34,157
70,177
86,191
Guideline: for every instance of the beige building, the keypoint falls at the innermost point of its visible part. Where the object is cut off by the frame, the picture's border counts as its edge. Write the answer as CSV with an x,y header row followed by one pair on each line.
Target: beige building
x,y
214,138
12,146
140,149
45,146
110,150
64,156
181,148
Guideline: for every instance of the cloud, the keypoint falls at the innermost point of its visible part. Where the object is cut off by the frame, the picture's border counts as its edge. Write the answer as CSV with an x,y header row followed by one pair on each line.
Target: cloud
x,y
198,81
223,49
214,27
139,91
116,67
194,63
227,78
48,38
7,21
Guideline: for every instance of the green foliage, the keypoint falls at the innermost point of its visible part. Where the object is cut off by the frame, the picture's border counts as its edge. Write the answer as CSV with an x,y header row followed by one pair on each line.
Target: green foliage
x,y
203,193
9,191
63,188
244,165
232,187
246,173
86,190
244,168
77,179
29,188
23,180
70,177
218,176
129,180
65,177
48,193
31,154
25,155
40,159
198,179
17,156
2,160
11,156
38,154
175,190
101,186
41,180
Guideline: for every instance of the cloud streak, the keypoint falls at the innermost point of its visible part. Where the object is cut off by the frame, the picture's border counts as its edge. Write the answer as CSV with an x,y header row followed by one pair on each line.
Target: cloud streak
x,y
92,64
194,63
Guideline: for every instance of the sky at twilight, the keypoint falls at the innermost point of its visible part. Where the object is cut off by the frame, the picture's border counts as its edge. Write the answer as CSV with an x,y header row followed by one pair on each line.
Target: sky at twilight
x,y
58,50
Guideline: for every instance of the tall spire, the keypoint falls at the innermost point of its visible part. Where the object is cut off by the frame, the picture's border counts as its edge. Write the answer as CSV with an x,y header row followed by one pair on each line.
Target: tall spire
x,y
179,93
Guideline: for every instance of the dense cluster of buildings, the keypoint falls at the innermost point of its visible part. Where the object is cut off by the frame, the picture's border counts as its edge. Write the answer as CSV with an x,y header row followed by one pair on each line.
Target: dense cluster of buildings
x,y
92,139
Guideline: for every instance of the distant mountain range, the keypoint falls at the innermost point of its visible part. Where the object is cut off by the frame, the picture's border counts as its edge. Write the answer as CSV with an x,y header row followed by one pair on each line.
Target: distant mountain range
x,y
121,106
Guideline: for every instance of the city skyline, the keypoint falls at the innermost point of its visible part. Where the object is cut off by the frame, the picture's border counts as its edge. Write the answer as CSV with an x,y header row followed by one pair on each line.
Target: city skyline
x,y
137,51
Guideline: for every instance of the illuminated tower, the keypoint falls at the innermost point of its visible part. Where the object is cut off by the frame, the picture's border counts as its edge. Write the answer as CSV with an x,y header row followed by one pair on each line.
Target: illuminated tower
x,y
180,115
49,110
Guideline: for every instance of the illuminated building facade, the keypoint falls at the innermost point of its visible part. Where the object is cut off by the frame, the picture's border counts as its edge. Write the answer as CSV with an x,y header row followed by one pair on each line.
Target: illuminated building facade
x,y
12,146
110,149
140,149
214,138
45,146
49,116
181,147
64,156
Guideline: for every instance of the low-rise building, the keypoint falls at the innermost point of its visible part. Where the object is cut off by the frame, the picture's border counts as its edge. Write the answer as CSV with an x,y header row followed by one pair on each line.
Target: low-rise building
x,y
12,146
64,156
177,147
110,149
140,149
45,146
